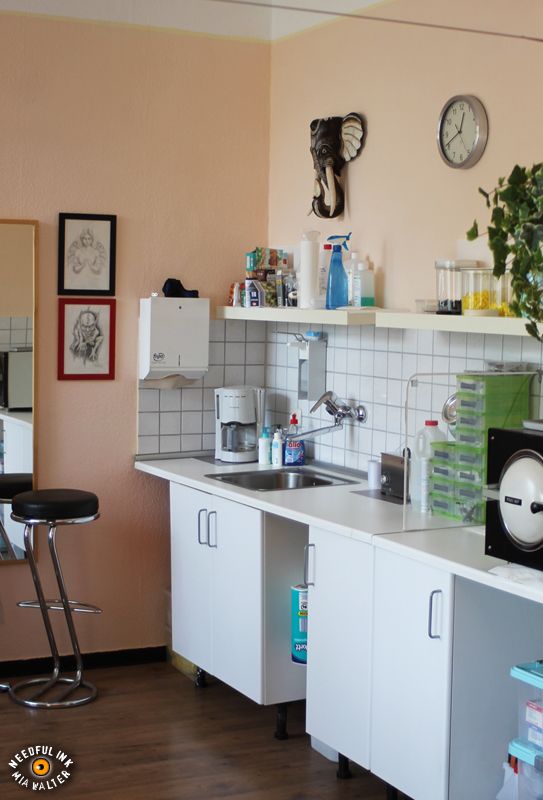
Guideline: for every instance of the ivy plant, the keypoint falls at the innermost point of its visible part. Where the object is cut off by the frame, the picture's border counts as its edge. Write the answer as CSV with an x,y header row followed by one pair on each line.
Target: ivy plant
x,y
515,237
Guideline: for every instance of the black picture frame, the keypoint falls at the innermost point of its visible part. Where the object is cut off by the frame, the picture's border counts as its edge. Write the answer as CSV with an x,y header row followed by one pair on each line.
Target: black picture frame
x,y
86,254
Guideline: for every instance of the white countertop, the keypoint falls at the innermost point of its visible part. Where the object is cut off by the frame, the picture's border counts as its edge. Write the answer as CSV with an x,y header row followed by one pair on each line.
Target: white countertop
x,y
454,549
23,417
335,508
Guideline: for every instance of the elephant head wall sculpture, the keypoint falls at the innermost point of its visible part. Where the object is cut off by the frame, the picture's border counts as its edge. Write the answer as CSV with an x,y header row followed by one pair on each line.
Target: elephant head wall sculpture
x,y
334,141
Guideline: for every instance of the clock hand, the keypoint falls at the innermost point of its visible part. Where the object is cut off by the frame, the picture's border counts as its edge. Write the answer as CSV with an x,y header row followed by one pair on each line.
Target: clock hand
x,y
459,133
462,122
453,137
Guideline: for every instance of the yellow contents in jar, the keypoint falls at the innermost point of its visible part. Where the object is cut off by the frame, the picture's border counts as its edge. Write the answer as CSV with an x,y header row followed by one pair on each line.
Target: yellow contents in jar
x,y
477,301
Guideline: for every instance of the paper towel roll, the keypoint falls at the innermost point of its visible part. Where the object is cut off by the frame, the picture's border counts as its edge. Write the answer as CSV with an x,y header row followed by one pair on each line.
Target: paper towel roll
x,y
309,269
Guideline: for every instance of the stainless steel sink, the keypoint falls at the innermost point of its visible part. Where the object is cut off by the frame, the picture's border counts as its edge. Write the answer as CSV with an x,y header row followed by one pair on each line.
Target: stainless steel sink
x,y
279,479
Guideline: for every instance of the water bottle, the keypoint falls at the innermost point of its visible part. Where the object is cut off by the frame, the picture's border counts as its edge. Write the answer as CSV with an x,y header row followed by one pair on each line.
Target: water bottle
x,y
419,475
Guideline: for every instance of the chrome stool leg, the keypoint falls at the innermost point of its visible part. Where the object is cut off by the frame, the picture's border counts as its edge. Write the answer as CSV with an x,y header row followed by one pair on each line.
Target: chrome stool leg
x,y
47,683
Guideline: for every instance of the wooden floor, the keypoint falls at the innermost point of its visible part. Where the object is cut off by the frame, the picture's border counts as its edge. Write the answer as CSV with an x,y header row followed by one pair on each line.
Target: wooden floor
x,y
151,735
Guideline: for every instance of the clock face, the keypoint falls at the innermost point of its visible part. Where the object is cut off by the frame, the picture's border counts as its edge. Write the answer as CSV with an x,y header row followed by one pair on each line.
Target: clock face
x,y
462,131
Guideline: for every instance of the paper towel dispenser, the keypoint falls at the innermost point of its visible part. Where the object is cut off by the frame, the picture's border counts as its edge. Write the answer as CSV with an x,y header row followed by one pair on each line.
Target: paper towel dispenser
x,y
173,337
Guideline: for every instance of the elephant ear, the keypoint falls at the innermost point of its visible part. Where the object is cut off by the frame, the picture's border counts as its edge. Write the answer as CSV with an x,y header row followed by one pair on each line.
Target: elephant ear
x,y
352,133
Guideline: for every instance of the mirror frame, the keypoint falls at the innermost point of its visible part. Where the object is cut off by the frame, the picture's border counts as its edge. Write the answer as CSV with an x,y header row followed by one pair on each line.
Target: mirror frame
x,y
35,225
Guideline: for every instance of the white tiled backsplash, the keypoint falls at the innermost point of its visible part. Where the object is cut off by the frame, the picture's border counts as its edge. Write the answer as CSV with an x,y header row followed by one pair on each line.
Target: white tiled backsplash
x,y
15,332
364,365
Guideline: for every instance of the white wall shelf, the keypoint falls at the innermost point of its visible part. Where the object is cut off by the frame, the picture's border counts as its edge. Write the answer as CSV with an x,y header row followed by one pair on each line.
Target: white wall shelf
x,y
340,316
381,318
503,326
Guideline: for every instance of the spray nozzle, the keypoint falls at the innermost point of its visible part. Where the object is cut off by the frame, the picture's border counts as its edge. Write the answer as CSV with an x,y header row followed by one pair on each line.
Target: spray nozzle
x,y
343,243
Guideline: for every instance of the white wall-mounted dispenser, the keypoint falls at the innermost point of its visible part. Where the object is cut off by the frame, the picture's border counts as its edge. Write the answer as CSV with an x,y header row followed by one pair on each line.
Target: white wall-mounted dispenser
x,y
311,364
173,337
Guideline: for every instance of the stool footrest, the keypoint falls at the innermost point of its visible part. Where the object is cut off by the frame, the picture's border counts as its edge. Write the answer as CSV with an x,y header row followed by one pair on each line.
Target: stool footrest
x,y
87,692
56,605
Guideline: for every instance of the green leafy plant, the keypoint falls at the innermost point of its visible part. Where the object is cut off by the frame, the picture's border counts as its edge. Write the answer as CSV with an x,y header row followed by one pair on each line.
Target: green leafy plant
x,y
515,237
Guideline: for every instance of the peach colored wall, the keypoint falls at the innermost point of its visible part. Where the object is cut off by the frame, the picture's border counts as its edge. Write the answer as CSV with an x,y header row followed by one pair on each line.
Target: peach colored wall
x,y
404,205
16,269
170,132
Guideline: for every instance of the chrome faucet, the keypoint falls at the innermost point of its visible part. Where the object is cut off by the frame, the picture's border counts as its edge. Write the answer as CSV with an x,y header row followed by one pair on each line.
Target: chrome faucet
x,y
338,409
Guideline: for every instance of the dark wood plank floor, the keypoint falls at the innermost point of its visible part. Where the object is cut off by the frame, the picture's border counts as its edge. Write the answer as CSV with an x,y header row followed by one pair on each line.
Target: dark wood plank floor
x,y
152,735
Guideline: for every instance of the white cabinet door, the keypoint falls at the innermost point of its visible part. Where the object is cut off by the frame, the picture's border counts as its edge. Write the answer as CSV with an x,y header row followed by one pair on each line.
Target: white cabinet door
x,y
18,449
412,657
340,577
192,628
236,546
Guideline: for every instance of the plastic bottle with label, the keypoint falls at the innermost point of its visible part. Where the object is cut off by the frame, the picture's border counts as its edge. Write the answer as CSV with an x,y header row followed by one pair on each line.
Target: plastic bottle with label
x,y
419,474
367,284
337,290
322,276
277,450
264,448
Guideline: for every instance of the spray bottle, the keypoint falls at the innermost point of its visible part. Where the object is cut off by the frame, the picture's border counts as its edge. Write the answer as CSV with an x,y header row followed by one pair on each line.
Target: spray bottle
x,y
337,291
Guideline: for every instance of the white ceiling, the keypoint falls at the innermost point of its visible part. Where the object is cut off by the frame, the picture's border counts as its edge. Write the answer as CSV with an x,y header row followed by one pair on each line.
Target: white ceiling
x,y
253,18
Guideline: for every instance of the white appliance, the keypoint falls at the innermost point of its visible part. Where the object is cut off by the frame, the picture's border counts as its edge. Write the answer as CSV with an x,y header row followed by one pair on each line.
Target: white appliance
x,y
173,337
239,412
16,380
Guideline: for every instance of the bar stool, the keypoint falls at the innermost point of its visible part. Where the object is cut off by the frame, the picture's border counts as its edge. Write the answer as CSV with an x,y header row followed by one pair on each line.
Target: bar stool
x,y
11,483
54,507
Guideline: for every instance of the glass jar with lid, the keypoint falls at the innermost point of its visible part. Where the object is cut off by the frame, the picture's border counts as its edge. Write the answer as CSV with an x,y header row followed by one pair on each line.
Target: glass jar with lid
x,y
449,285
479,292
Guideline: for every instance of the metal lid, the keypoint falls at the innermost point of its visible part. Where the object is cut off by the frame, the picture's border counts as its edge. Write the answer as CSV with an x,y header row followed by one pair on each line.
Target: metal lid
x,y
455,264
521,499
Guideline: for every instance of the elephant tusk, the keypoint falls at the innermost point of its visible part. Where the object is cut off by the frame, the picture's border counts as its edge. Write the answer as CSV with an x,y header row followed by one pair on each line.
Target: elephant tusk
x,y
331,181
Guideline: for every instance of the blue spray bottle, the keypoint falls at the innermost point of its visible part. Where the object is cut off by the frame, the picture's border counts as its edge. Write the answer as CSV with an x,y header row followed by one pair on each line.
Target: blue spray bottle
x,y
337,290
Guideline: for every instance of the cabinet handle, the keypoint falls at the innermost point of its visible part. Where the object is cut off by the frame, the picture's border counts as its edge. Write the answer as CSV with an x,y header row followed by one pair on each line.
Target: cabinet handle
x,y
211,514
200,512
307,582
431,614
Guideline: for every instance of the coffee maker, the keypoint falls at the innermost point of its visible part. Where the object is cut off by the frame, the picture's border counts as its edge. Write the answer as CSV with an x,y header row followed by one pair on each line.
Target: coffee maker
x,y
239,413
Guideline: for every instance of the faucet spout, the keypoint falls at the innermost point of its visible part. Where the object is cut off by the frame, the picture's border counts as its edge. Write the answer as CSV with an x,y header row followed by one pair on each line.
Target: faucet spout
x,y
312,432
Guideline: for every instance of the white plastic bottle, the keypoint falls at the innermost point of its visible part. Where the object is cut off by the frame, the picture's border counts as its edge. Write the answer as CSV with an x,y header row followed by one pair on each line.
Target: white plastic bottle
x,y
264,448
367,284
309,267
357,286
419,474
277,450
322,276
351,269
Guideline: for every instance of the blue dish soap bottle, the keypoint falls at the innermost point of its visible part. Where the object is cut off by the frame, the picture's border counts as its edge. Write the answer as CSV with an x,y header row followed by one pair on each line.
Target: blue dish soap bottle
x,y
337,290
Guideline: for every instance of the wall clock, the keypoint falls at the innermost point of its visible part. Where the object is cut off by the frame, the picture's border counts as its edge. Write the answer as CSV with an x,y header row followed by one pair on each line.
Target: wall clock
x,y
462,131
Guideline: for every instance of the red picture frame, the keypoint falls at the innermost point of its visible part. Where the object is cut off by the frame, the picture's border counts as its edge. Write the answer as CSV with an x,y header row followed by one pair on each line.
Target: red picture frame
x,y
86,339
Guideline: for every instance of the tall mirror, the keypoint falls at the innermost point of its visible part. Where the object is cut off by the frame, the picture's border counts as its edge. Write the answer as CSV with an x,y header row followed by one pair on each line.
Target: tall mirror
x,y
18,253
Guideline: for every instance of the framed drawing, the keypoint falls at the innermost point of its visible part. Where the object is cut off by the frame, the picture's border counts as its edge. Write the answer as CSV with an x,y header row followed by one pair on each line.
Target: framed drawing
x,y
86,339
86,254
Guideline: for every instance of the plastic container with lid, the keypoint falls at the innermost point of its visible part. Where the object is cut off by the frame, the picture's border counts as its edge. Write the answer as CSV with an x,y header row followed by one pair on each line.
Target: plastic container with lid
x,y
449,284
478,292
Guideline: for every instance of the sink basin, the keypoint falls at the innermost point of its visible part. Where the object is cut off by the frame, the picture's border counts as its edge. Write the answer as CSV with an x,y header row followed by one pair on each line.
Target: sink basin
x,y
279,479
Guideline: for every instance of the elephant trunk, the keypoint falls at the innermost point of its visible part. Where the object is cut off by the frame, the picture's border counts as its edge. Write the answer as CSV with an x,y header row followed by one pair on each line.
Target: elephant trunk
x,y
328,200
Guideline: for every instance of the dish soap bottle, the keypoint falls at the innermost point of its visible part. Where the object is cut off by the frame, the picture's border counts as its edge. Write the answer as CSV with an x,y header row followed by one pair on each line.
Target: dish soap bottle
x,y
337,291
277,450
264,448
295,449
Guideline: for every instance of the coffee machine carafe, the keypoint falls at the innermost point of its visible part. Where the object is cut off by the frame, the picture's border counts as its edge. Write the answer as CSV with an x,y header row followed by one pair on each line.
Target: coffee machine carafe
x,y
239,412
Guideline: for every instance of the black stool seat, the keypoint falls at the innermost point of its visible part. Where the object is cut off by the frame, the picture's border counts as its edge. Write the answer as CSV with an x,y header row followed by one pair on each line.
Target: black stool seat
x,y
55,504
12,483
